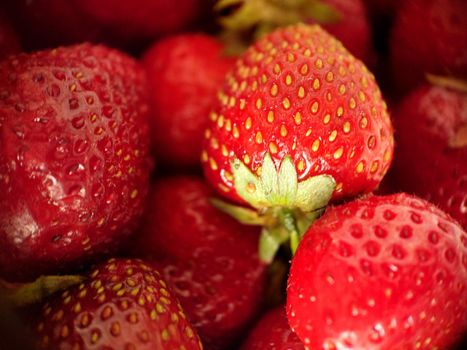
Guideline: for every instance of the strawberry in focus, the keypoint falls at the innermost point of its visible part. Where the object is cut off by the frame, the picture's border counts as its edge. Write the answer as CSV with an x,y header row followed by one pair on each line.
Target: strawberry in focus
x,y
299,121
428,36
432,147
184,74
123,304
208,258
273,332
74,164
380,273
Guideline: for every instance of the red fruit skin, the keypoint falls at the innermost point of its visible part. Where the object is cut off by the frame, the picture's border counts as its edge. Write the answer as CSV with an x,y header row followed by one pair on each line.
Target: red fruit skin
x,y
209,259
273,332
425,163
9,41
353,29
74,163
380,273
184,72
123,304
352,129
428,36
142,18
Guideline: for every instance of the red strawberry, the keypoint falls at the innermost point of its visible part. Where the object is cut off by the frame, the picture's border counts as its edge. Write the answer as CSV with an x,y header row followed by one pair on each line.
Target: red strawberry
x,y
380,273
125,304
9,41
299,121
184,75
74,156
209,259
433,164
273,332
429,36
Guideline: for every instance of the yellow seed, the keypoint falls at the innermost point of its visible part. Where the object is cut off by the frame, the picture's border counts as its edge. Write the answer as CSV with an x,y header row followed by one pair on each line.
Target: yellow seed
x,y
94,337
326,118
338,153
204,156
342,70
339,187
224,151
65,331
319,63
273,147
301,165
316,84
242,104
374,166
274,90
342,89
254,85
360,167
277,68
235,132
363,122
246,159
361,96
333,135
283,131
298,118
340,111
308,133
387,155
259,137
314,107
220,121
228,125
307,52
352,103
286,103
248,123
134,194
259,103
288,79
315,145
346,127
301,92
304,69
329,77
264,79
213,164
291,57
270,116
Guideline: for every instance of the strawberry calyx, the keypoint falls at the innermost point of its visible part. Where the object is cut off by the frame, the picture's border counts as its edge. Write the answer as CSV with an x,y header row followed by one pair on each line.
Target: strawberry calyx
x,y
283,206
21,294
259,17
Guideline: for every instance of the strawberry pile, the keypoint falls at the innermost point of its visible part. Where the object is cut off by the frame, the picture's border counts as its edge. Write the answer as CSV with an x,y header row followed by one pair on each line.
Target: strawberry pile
x,y
227,175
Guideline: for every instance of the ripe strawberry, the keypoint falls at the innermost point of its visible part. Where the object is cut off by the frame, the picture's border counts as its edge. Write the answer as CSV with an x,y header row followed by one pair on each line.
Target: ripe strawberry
x,y
184,74
441,23
437,115
125,304
380,273
9,41
273,332
74,157
299,121
206,256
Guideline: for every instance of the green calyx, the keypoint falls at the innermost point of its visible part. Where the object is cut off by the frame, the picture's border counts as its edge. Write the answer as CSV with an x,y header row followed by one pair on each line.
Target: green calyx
x,y
283,206
21,294
259,17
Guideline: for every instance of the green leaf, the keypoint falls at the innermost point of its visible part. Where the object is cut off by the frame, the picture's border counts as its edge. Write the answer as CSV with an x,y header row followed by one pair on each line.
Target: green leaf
x,y
315,192
288,183
241,214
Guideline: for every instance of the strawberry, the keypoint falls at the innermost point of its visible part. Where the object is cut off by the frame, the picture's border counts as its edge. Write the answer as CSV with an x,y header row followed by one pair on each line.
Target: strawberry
x,y
380,273
184,74
124,304
74,157
438,116
206,256
273,332
428,36
299,121
9,41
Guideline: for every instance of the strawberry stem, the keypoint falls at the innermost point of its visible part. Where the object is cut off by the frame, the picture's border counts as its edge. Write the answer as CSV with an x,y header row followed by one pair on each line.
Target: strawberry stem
x,y
290,224
29,293
448,82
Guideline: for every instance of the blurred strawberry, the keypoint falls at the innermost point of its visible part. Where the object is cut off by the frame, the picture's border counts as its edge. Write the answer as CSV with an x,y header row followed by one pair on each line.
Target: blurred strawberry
x,y
184,74
74,161
209,259
124,304
273,332
429,36
9,41
380,273
346,19
431,153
